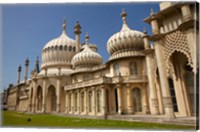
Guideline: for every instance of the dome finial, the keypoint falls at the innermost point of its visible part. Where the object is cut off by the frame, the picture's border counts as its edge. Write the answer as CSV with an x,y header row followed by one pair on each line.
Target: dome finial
x,y
152,12
123,15
64,24
124,26
87,38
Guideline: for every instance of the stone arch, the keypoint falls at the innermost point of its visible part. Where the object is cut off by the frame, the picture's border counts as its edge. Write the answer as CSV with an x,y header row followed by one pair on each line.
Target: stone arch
x,y
184,79
176,41
39,98
51,99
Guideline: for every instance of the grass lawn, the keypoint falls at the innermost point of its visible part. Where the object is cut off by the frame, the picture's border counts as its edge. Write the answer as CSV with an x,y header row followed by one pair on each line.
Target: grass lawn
x,y
14,119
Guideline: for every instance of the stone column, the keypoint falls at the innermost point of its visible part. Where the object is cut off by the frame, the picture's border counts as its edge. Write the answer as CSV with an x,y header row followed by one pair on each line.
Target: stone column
x,y
152,90
129,105
72,102
58,95
103,100
94,100
66,102
145,103
44,96
34,96
119,94
30,99
167,101
86,102
79,102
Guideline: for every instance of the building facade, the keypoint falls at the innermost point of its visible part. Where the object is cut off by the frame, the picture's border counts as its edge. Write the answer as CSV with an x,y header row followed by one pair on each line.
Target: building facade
x,y
144,75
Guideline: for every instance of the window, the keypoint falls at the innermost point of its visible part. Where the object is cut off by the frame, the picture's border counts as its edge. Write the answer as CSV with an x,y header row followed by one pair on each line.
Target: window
x,y
69,102
74,49
65,47
61,47
137,100
56,47
76,102
82,102
90,101
70,48
133,68
116,69
99,101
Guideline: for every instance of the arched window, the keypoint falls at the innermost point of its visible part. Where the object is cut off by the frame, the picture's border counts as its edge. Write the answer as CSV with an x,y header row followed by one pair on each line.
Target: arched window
x,y
61,47
76,102
56,47
69,102
70,48
65,47
99,101
82,102
133,68
116,69
52,48
74,49
90,101
137,100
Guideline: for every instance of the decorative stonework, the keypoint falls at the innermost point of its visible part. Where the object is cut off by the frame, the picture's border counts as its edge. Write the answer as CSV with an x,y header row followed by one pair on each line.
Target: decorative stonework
x,y
176,41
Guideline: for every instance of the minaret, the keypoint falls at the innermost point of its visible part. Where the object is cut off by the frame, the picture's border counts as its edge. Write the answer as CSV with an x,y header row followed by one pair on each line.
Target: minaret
x,y
77,32
64,26
152,90
26,71
87,39
19,72
37,69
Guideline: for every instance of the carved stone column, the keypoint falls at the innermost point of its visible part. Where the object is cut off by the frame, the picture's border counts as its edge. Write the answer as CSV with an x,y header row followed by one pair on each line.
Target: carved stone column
x,y
94,100
44,95
72,102
58,94
103,100
119,94
129,105
86,101
186,13
66,102
79,102
168,106
34,96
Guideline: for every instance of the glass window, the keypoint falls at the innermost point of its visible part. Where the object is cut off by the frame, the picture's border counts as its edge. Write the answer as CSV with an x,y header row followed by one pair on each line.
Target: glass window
x,y
116,69
133,68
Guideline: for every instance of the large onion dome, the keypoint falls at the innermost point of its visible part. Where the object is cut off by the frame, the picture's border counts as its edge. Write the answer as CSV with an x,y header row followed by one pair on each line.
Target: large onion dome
x,y
127,40
59,51
87,58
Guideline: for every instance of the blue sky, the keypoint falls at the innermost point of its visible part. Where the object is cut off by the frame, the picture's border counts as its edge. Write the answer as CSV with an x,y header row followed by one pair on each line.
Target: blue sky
x,y
26,28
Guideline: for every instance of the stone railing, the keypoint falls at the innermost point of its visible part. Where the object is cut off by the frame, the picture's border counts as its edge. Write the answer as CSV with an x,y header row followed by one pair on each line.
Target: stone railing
x,y
94,81
107,80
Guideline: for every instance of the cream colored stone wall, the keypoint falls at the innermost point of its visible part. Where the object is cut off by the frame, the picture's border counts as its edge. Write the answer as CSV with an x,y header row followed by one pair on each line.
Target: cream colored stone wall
x,y
23,104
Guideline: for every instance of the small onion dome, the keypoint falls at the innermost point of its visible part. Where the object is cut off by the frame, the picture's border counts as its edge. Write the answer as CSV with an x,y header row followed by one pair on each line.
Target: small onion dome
x,y
126,39
87,57
59,51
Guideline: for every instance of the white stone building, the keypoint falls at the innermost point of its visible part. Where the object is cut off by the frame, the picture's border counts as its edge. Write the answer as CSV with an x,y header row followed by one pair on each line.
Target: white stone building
x,y
138,78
